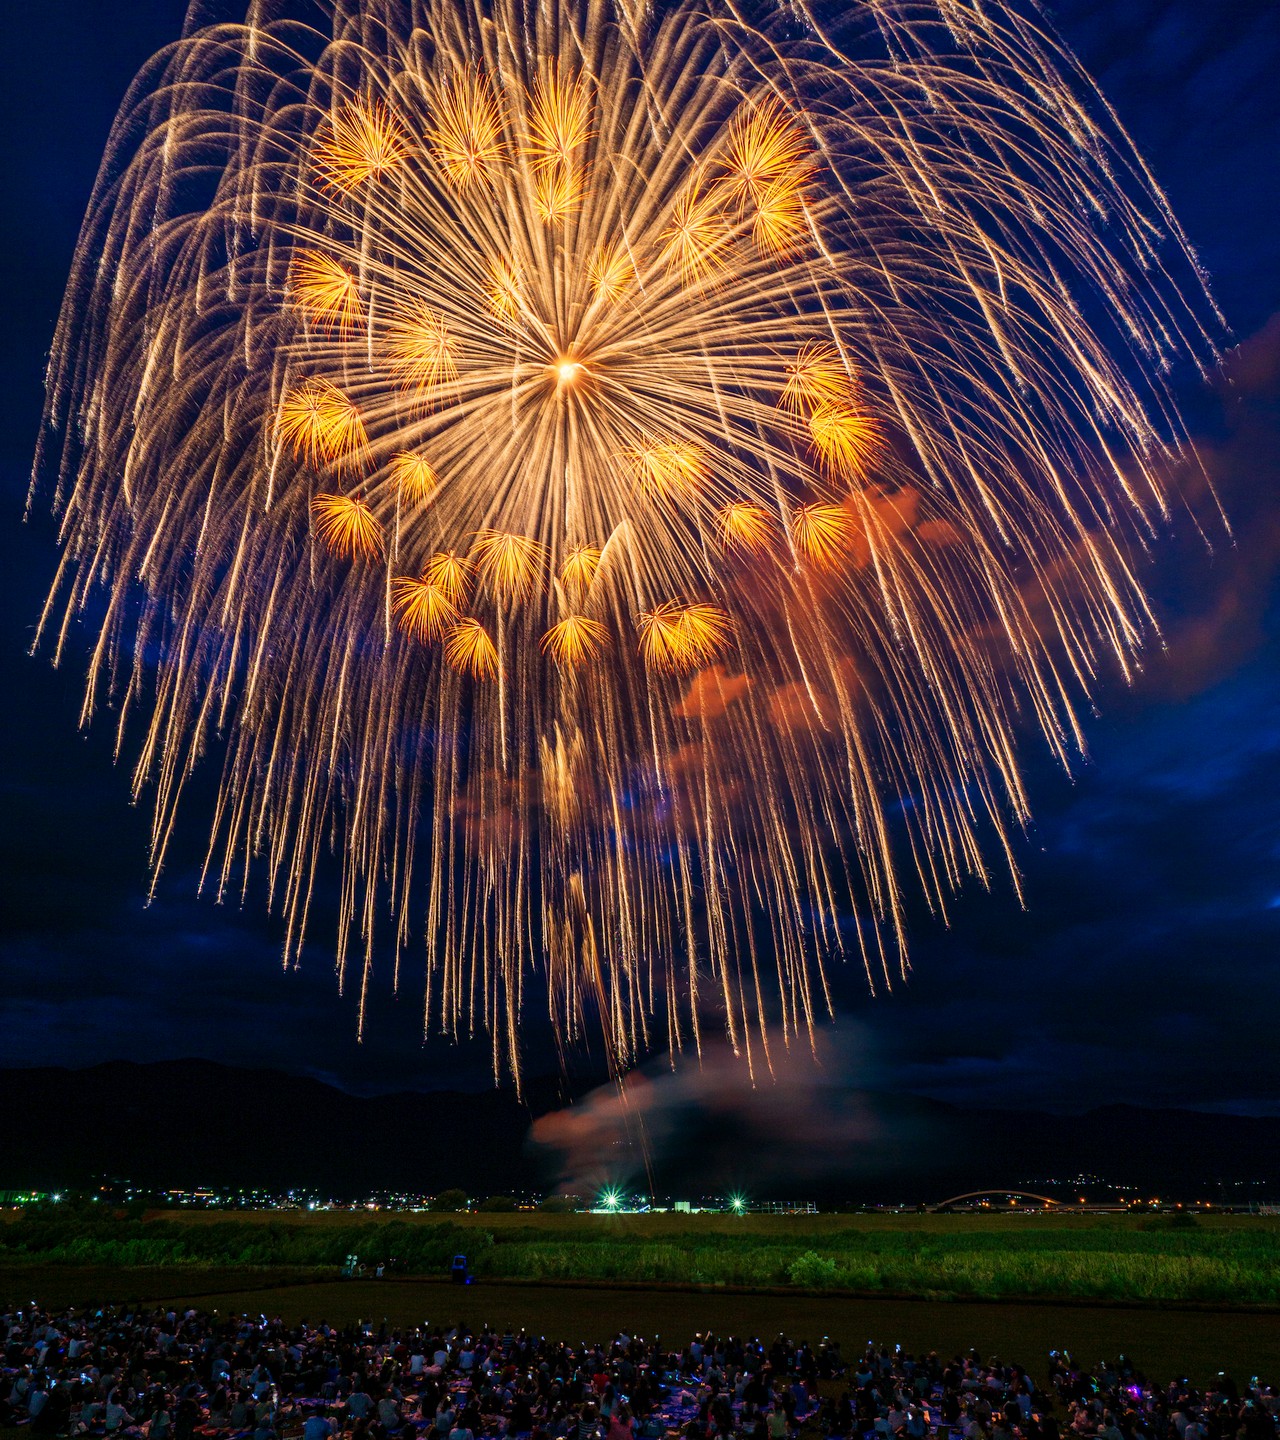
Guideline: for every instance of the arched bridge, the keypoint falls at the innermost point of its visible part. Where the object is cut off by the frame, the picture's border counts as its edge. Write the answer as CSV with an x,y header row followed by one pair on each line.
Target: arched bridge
x,y
1011,1195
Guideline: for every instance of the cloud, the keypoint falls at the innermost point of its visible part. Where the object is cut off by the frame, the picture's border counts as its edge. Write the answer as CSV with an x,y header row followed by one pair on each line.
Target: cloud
x,y
710,694
815,1117
1213,594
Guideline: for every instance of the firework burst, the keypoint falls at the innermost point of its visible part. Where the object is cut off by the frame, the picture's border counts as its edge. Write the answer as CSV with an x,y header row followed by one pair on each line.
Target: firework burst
x,y
623,473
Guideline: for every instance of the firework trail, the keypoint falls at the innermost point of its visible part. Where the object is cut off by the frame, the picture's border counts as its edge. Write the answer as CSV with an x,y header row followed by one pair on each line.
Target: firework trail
x,y
621,478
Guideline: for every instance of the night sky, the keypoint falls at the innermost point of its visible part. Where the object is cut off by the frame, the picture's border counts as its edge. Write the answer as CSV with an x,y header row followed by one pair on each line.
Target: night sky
x,y
1144,966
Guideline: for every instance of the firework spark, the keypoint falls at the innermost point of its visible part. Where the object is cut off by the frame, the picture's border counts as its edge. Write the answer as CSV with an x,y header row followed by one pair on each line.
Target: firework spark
x,y
466,133
579,568
682,637
320,423
821,531
745,524
327,291
364,142
575,639
591,462
347,526
470,648
424,610
421,352
415,475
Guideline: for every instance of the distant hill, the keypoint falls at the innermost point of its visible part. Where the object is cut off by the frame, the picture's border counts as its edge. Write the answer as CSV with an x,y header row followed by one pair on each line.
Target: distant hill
x,y
189,1122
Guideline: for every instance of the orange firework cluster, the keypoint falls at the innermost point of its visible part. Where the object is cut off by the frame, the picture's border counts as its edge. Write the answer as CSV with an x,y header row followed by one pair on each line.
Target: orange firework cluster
x,y
575,639
364,141
320,423
347,526
767,168
745,524
327,291
755,180
752,184
424,609
421,352
414,475
683,637
588,462
559,129
467,134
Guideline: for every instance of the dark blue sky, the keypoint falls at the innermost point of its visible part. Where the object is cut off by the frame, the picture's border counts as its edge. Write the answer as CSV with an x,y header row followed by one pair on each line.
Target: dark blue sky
x,y
1145,965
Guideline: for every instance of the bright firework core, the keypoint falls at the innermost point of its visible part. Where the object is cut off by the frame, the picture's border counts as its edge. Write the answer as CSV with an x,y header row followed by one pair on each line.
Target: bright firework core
x,y
567,371
658,699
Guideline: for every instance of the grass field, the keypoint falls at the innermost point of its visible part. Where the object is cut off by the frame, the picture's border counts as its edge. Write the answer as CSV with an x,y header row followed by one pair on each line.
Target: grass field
x,y
1229,1261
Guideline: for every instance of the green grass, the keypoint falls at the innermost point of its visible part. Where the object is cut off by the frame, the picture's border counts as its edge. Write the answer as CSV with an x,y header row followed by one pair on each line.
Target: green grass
x,y
1232,1261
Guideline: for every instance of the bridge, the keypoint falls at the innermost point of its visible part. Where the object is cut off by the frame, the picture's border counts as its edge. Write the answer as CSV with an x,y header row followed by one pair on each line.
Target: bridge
x,y
1012,1196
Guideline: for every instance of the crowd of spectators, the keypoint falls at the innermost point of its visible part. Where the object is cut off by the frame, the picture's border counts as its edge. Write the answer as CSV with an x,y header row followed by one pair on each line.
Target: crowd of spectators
x,y
166,1374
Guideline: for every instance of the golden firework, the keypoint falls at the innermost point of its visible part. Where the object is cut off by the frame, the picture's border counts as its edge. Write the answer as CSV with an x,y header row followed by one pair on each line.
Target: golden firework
x,y
574,640
559,122
579,568
450,574
821,531
734,435
319,423
557,193
664,468
347,526
766,147
816,380
612,272
780,224
844,441
423,609
508,561
742,523
326,291
682,637
465,135
415,476
503,289
469,648
364,142
697,238
420,350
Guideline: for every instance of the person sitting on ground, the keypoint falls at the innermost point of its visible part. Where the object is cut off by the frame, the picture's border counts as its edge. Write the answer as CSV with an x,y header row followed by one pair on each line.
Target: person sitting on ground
x,y
160,1426
317,1426
115,1417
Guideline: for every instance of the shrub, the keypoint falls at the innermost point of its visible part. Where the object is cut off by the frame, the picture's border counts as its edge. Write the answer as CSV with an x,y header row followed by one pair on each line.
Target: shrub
x,y
813,1271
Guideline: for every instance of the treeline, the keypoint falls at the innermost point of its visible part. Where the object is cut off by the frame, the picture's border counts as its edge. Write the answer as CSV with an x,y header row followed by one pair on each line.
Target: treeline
x,y
1236,1265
